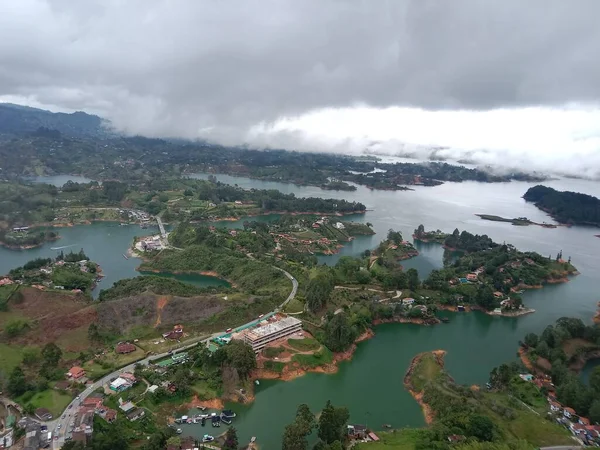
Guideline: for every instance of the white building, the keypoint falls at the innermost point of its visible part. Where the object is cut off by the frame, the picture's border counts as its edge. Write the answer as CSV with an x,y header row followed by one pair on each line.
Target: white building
x,y
264,333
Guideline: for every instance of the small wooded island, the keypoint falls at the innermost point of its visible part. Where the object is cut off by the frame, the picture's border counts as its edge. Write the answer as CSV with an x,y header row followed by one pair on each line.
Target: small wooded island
x,y
567,207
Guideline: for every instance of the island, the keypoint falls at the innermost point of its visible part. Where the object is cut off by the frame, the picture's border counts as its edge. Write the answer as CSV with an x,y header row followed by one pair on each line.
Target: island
x,y
571,208
24,237
518,221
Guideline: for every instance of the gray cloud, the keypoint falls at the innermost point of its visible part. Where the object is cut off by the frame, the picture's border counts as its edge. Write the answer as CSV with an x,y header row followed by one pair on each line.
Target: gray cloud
x,y
212,68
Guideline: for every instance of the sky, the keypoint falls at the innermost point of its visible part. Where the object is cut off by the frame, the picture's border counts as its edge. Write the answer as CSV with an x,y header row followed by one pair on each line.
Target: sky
x,y
511,83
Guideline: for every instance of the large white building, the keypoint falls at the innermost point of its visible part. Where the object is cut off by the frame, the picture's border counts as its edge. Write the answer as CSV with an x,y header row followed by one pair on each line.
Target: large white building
x,y
264,333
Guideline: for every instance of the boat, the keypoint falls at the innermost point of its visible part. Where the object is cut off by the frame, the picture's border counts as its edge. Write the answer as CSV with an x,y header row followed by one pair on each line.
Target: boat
x,y
257,382
179,431
228,414
444,319
195,420
387,425
207,438
253,440
177,420
203,421
226,421
125,256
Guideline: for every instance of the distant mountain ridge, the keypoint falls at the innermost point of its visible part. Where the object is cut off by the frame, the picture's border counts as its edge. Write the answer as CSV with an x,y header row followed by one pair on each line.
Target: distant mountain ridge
x,y
20,119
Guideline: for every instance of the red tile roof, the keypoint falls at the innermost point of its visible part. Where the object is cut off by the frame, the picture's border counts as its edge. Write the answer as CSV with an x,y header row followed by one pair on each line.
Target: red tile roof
x,y
77,372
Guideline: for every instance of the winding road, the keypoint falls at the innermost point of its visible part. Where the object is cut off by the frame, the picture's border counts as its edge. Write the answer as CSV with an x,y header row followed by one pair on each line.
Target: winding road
x,y
59,426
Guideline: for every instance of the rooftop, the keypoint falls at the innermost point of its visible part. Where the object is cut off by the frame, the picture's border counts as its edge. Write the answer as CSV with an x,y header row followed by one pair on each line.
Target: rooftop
x,y
264,330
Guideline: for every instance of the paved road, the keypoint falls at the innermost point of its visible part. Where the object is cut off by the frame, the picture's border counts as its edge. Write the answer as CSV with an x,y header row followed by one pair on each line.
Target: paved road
x,y
68,415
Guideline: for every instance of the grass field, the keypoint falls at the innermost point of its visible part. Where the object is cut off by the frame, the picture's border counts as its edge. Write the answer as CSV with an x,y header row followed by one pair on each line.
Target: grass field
x,y
304,345
294,306
272,352
275,366
52,400
203,390
427,370
110,362
404,439
10,357
323,356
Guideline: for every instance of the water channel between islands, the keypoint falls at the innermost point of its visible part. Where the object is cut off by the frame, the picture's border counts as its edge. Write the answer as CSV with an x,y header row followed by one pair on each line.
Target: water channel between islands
x,y
371,384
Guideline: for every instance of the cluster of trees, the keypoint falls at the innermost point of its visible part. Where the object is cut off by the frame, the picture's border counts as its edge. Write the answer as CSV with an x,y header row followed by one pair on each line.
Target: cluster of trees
x,y
570,390
30,238
566,206
331,428
468,242
34,373
158,285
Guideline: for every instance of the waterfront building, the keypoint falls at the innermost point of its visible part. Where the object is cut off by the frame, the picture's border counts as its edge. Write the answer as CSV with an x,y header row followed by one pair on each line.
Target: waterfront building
x,y
268,331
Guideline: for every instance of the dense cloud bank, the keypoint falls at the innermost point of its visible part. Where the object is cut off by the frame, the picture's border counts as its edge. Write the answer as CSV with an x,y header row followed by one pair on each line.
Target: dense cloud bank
x,y
208,69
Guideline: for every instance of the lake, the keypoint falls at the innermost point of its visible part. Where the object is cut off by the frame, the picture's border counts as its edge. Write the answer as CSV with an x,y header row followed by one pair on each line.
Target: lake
x,y
371,384
104,243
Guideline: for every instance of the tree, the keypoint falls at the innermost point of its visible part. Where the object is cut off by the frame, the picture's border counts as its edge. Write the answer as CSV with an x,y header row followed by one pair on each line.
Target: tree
x,y
332,423
542,349
595,379
241,357
318,291
339,334
231,439
413,279
305,418
595,411
51,354
531,339
485,297
481,427
294,437
17,384
94,333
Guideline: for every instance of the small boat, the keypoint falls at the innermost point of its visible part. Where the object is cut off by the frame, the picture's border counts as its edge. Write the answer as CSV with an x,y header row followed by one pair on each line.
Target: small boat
x,y
203,421
179,431
387,425
226,421
207,438
125,256
444,319
195,420
253,440
190,421
177,420
257,382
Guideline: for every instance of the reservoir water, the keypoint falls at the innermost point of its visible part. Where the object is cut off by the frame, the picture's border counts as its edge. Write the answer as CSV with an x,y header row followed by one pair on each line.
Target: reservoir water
x,y
371,384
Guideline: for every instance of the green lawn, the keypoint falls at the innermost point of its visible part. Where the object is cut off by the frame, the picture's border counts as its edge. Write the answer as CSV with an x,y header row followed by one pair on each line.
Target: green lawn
x,y
403,439
294,306
275,366
272,352
110,362
203,390
323,356
427,369
304,345
52,400
10,357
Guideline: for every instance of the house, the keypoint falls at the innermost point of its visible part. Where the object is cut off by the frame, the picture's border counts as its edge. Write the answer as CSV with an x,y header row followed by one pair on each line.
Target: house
x,y
584,421
471,277
110,415
125,406
339,225
421,308
408,301
92,402
569,412
577,428
135,414
43,414
152,389
120,384
124,348
498,294
129,377
76,372
357,431
174,334
62,385
456,438
526,376
555,407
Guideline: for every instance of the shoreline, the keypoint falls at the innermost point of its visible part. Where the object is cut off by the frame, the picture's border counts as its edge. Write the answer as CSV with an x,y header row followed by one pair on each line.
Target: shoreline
x,y
28,247
428,412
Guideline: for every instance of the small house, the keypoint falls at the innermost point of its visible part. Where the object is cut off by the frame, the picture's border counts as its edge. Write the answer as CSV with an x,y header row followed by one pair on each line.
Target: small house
x,y
124,348
569,412
471,277
126,406
110,415
555,407
498,294
453,438
175,334
408,301
135,414
357,431
43,414
76,372
584,421
92,402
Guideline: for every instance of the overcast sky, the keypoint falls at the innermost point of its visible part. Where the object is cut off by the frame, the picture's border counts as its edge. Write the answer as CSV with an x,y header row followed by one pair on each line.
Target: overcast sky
x,y
491,79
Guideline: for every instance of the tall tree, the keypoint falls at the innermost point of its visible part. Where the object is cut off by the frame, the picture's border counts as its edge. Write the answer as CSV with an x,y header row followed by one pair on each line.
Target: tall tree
x,y
231,439
17,384
294,437
241,357
413,279
305,418
332,423
51,354
339,334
